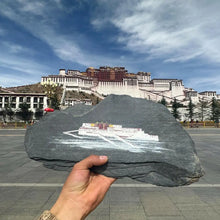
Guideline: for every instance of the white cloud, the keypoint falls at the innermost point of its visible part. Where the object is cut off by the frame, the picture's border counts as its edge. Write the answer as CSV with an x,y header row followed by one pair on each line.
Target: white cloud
x,y
171,30
36,7
12,48
210,82
15,58
9,81
20,70
36,18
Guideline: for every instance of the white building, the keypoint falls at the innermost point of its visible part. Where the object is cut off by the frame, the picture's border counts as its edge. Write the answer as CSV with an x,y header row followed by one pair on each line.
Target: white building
x,y
73,101
115,80
34,100
137,85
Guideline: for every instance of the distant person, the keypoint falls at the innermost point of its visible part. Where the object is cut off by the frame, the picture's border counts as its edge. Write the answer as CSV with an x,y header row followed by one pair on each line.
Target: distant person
x,y
82,192
191,123
217,123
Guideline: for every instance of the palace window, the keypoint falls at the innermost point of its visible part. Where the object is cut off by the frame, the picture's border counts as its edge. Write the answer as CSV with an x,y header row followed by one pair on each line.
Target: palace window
x,y
21,99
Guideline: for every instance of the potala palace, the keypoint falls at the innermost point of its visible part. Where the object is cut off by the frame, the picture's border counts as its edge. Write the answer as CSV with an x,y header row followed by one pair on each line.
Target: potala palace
x,y
117,80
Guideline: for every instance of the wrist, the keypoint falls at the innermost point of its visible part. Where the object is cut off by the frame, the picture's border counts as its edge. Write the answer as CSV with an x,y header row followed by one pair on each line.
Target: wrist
x,y
65,212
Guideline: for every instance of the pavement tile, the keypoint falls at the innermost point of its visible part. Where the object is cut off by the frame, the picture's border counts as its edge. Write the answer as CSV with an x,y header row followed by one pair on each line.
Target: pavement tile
x,y
124,194
17,217
34,198
31,177
98,217
200,215
183,195
126,207
166,218
9,195
128,216
20,171
2,210
150,189
53,176
216,208
210,196
101,211
51,201
22,211
154,210
158,204
191,207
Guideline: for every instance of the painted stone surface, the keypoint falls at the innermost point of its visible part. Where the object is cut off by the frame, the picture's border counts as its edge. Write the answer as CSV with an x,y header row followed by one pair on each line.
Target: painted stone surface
x,y
141,138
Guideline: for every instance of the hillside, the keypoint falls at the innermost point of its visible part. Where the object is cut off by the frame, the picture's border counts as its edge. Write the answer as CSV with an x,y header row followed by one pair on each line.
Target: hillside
x,y
32,88
37,88
82,96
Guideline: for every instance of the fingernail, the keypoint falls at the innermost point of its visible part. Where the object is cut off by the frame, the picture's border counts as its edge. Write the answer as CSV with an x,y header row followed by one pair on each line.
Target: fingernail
x,y
103,157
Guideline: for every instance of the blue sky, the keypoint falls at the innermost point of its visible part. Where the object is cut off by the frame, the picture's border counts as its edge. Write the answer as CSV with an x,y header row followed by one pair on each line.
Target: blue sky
x,y
170,39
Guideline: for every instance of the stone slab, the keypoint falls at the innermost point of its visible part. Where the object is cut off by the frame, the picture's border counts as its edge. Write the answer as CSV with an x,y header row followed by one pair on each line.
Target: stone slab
x,y
171,161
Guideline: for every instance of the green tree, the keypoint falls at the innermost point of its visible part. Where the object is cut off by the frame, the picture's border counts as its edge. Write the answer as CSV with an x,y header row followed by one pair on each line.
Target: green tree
x,y
38,113
53,92
190,109
55,102
10,112
3,114
203,109
24,113
215,110
163,101
175,106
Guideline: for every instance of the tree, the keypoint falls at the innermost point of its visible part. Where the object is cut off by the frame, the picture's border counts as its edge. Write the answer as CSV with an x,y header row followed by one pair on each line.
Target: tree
x,y
175,106
52,91
215,110
24,113
10,112
163,101
3,113
39,113
190,109
203,109
55,102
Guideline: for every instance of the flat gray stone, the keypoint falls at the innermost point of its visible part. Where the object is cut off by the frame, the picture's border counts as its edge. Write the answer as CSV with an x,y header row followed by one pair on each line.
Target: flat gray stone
x,y
61,139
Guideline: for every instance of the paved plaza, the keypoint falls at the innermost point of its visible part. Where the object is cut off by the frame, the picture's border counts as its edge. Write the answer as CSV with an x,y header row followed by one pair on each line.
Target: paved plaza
x,y
27,188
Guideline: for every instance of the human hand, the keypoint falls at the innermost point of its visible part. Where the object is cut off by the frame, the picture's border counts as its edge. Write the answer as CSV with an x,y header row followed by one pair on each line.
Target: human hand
x,y
83,190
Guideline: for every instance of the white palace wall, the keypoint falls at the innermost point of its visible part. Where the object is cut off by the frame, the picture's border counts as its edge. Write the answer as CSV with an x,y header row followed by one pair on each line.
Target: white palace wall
x,y
118,88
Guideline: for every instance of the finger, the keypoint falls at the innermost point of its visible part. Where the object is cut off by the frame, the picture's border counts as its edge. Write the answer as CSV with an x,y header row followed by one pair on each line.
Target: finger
x,y
92,160
99,187
100,184
81,173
